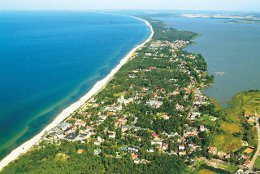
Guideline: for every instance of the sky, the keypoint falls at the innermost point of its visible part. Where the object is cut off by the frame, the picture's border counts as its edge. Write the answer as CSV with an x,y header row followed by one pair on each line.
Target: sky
x,y
229,5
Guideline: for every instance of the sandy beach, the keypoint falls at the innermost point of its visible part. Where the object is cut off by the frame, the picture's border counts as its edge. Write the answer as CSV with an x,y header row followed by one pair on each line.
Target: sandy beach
x,y
25,147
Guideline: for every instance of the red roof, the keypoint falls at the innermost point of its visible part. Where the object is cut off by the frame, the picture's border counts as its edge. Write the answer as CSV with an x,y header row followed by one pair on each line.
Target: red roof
x,y
155,135
134,156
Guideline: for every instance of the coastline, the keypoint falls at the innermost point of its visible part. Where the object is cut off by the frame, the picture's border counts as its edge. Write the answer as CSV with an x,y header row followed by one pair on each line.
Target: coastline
x,y
99,85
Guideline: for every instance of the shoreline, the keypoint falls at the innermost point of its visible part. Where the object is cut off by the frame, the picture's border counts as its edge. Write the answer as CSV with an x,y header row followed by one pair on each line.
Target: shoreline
x,y
98,86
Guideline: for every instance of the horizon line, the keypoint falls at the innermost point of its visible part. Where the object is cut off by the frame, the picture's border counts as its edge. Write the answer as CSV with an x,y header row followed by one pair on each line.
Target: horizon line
x,y
140,10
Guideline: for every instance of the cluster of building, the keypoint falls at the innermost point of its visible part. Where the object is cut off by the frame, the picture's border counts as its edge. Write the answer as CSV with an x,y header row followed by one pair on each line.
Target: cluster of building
x,y
101,121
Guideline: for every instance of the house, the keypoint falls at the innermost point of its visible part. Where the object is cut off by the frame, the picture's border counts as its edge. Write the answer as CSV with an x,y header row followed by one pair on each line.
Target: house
x,y
179,107
241,171
122,100
181,147
103,117
137,161
212,150
89,129
192,133
194,115
120,121
111,134
202,128
83,136
213,119
64,126
134,156
80,151
56,131
221,154
155,136
133,149
159,143
71,136
228,156
154,103
118,108
251,120
97,151
125,128
150,150
148,54
247,162
248,150
80,123
124,148
111,113
118,155
182,153
165,117
164,146
151,67
98,141
132,76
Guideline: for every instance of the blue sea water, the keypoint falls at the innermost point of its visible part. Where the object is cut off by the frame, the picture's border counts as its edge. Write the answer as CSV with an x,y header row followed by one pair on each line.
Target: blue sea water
x,y
49,59
231,48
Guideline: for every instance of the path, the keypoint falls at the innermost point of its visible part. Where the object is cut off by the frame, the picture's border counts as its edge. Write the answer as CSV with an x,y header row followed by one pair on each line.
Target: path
x,y
251,165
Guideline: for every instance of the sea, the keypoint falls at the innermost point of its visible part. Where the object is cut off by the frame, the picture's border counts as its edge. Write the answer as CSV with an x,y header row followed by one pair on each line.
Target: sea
x,y
231,50
49,59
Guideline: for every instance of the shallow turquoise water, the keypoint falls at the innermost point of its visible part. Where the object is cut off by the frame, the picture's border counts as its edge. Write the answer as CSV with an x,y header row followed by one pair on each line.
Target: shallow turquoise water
x,y
49,59
230,48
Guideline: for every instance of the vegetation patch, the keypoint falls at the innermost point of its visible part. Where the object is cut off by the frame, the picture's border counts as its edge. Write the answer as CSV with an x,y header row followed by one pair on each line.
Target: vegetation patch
x,y
206,171
226,142
231,127
257,163
247,103
61,156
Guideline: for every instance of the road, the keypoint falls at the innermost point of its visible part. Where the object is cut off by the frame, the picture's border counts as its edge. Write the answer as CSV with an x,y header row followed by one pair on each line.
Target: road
x,y
252,163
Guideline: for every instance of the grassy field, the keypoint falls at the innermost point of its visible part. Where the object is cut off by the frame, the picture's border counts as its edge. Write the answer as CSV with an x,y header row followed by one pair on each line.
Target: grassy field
x,y
206,171
234,116
257,163
244,102
215,166
231,127
226,142
247,103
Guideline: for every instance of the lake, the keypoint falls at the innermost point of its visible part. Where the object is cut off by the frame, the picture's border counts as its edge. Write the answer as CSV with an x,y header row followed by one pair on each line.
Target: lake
x,y
232,51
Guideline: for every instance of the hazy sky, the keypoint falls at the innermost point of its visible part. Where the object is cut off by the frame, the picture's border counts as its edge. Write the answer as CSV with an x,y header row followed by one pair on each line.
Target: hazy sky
x,y
244,5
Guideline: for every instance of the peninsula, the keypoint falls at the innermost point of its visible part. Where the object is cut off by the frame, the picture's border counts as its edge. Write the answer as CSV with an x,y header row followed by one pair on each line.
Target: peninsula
x,y
147,116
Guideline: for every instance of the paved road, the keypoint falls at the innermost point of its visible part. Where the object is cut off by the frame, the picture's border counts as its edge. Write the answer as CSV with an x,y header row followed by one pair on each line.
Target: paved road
x,y
252,163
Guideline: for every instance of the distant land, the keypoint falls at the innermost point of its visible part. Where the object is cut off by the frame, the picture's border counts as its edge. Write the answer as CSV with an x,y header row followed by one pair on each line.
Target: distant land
x,y
250,19
231,17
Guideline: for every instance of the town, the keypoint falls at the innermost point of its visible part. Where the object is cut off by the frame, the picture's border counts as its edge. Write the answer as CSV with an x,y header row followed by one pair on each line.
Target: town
x,y
153,107
110,120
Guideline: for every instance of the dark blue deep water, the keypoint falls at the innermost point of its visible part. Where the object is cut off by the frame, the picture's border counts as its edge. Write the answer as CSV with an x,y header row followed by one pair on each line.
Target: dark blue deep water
x,y
49,59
